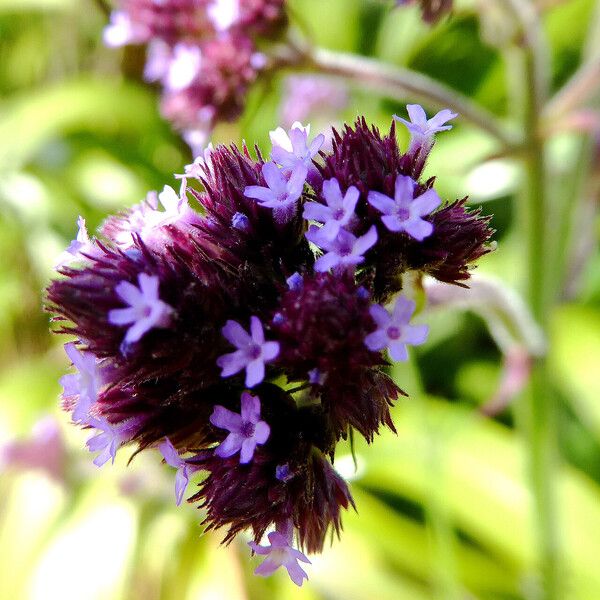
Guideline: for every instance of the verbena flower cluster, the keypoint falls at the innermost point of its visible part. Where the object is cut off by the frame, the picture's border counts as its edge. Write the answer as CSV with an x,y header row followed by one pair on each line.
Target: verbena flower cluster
x,y
246,338
204,54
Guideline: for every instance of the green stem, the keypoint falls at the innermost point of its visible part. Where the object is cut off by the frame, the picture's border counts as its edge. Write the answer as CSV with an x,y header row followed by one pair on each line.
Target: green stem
x,y
397,82
538,417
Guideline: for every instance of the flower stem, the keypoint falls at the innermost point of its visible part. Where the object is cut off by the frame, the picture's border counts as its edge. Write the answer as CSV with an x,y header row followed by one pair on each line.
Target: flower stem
x,y
538,410
397,82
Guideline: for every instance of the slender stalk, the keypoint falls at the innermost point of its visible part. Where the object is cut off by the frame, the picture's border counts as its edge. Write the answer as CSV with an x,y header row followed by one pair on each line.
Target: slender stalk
x,y
538,410
396,82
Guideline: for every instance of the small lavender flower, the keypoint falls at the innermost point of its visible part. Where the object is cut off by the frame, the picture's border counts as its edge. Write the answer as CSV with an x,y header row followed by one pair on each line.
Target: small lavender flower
x,y
145,311
82,387
282,192
80,246
283,473
295,281
246,430
111,437
345,251
316,377
291,149
175,207
393,331
201,166
280,553
240,221
339,211
422,130
403,213
252,351
184,469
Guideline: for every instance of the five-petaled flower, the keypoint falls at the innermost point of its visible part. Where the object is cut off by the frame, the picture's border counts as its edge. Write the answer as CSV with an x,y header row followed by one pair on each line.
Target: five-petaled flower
x,y
282,190
246,430
252,351
184,469
280,553
83,386
292,149
145,311
339,211
78,248
404,212
423,130
393,331
344,251
111,437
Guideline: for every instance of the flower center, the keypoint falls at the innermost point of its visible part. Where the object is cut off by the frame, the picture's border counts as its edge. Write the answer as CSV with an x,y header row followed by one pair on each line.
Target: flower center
x,y
393,332
345,249
338,215
403,214
254,351
247,429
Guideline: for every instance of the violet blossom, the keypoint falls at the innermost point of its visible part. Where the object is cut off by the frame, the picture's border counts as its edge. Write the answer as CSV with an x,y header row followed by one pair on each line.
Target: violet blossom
x,y
110,438
404,213
280,553
184,469
246,430
393,330
282,191
145,311
252,353
344,251
82,387
423,130
78,248
291,149
339,211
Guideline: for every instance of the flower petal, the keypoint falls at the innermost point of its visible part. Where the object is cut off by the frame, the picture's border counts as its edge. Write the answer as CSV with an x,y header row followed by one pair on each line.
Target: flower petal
x,y
250,408
255,372
415,334
247,450
270,350
419,229
261,432
236,334
398,351
263,194
376,341
425,203
232,363
229,446
256,331
381,202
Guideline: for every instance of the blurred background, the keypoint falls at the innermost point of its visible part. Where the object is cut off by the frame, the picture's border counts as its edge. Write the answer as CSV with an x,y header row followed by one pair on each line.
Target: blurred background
x,y
444,508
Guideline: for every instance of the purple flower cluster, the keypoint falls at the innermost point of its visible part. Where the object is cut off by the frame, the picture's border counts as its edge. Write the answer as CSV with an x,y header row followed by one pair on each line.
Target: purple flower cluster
x,y
244,340
203,53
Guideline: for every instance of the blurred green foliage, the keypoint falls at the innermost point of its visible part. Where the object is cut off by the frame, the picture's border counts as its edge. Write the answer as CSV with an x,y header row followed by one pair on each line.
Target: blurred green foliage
x,y
79,137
